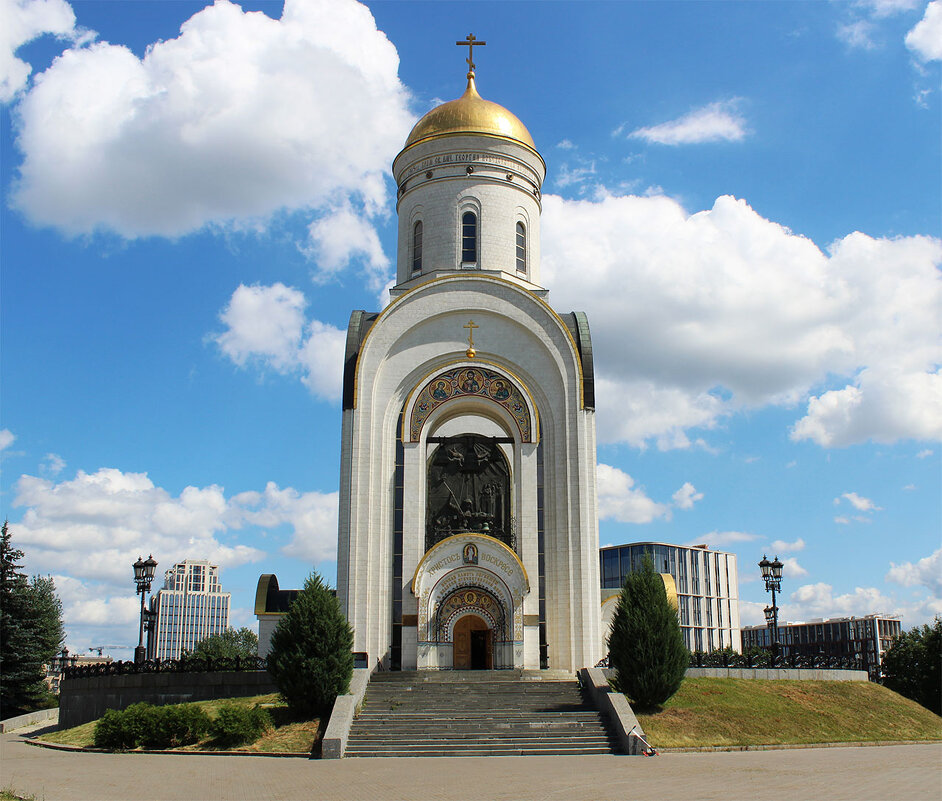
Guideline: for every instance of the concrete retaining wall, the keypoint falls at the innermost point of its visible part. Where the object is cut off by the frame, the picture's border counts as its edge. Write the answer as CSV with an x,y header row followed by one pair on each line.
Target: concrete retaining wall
x,y
800,674
615,707
341,717
85,699
30,719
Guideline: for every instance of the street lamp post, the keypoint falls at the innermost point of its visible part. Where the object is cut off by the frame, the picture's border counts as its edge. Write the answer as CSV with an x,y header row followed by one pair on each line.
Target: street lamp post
x,y
772,573
143,576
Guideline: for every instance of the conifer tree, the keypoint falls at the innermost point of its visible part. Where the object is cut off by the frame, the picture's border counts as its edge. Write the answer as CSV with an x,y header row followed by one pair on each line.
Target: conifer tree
x,y
646,645
31,631
311,656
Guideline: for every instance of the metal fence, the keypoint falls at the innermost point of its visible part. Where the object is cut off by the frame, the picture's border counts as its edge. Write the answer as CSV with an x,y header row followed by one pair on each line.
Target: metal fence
x,y
766,659
185,665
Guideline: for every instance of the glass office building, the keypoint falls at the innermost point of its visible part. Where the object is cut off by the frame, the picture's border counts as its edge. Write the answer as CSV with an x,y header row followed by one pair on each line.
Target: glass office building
x,y
706,583
865,638
190,607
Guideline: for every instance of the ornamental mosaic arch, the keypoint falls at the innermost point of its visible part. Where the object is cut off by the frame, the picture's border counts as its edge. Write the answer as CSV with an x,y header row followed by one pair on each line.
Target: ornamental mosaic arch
x,y
466,381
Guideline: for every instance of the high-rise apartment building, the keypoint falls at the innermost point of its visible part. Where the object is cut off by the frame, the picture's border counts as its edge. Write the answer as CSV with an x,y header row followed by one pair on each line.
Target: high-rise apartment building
x,y
190,607
705,582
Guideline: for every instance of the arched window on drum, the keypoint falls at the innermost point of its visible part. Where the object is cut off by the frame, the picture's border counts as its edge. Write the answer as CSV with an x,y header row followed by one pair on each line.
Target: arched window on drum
x,y
521,248
417,248
469,239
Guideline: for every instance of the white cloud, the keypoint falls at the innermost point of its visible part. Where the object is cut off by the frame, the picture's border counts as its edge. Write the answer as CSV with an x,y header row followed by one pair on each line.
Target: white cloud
x,y
751,613
568,175
858,33
339,237
859,503
925,39
818,600
266,327
238,118
887,8
6,438
23,21
312,516
925,453
885,406
781,546
620,500
716,122
717,538
697,316
791,568
99,523
841,520
686,496
927,572
565,144
52,464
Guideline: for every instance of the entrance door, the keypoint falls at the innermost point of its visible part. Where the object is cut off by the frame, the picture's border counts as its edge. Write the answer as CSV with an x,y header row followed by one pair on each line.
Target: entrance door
x,y
472,647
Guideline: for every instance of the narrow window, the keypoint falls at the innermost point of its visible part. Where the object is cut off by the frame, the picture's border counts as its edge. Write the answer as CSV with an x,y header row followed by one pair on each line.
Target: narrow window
x,y
521,248
417,247
469,237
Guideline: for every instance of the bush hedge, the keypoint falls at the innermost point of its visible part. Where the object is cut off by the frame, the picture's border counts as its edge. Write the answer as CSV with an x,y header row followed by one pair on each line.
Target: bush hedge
x,y
235,725
152,727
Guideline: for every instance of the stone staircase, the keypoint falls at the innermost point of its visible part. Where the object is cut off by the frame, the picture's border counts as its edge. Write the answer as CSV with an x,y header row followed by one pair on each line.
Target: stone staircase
x,y
477,713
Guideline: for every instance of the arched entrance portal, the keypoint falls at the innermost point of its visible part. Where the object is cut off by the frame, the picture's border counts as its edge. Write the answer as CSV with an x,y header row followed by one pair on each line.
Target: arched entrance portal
x,y
473,644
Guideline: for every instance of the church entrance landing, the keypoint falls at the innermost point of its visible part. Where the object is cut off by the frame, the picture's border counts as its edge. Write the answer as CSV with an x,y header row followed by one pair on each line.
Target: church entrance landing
x,y
470,590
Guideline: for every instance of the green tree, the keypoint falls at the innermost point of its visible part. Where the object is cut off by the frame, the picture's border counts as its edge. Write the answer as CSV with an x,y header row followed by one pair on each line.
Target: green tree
x,y
645,644
31,631
912,665
311,656
230,644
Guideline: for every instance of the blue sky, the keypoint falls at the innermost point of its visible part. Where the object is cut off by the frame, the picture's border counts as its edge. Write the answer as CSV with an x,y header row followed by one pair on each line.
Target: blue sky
x,y
744,198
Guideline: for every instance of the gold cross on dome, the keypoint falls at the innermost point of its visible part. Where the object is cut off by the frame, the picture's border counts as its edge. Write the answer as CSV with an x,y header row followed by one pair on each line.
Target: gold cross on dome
x,y
471,326
471,42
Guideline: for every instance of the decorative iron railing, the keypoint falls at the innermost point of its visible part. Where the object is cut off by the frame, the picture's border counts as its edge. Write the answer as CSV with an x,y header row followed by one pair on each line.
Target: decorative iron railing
x,y
766,659
184,665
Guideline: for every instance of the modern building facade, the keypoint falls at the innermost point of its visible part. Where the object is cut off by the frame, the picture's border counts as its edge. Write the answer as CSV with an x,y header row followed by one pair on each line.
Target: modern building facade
x,y
705,582
468,532
866,638
189,607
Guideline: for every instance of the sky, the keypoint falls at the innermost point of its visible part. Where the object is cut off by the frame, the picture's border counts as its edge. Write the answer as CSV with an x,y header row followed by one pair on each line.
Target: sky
x,y
743,197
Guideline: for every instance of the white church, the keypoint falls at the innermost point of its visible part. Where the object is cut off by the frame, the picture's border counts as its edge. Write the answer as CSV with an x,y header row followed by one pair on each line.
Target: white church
x,y
468,533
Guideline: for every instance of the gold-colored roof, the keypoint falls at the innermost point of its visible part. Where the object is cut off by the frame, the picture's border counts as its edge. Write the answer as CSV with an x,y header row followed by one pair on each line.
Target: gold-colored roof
x,y
471,114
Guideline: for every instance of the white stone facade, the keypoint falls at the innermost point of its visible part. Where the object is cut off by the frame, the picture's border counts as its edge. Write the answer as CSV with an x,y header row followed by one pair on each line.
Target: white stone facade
x,y
530,391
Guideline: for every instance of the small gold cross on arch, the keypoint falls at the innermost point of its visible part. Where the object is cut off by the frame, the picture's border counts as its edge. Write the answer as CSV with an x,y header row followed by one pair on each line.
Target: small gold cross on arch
x,y
471,326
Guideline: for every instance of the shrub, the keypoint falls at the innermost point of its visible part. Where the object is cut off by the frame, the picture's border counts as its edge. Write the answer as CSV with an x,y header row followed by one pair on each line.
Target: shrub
x,y
121,730
646,645
235,725
155,727
311,656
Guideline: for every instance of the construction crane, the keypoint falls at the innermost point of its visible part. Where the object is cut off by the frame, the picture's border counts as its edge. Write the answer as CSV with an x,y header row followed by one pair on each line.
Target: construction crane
x,y
101,648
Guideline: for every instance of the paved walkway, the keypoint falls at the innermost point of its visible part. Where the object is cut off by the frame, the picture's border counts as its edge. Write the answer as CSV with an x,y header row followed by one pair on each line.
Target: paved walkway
x,y
897,772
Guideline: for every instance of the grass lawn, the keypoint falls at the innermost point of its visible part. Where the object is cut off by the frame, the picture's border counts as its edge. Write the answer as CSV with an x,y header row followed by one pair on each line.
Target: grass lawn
x,y
736,712
288,736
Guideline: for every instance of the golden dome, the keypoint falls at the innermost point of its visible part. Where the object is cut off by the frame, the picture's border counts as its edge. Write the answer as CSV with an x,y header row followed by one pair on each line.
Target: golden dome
x,y
470,114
